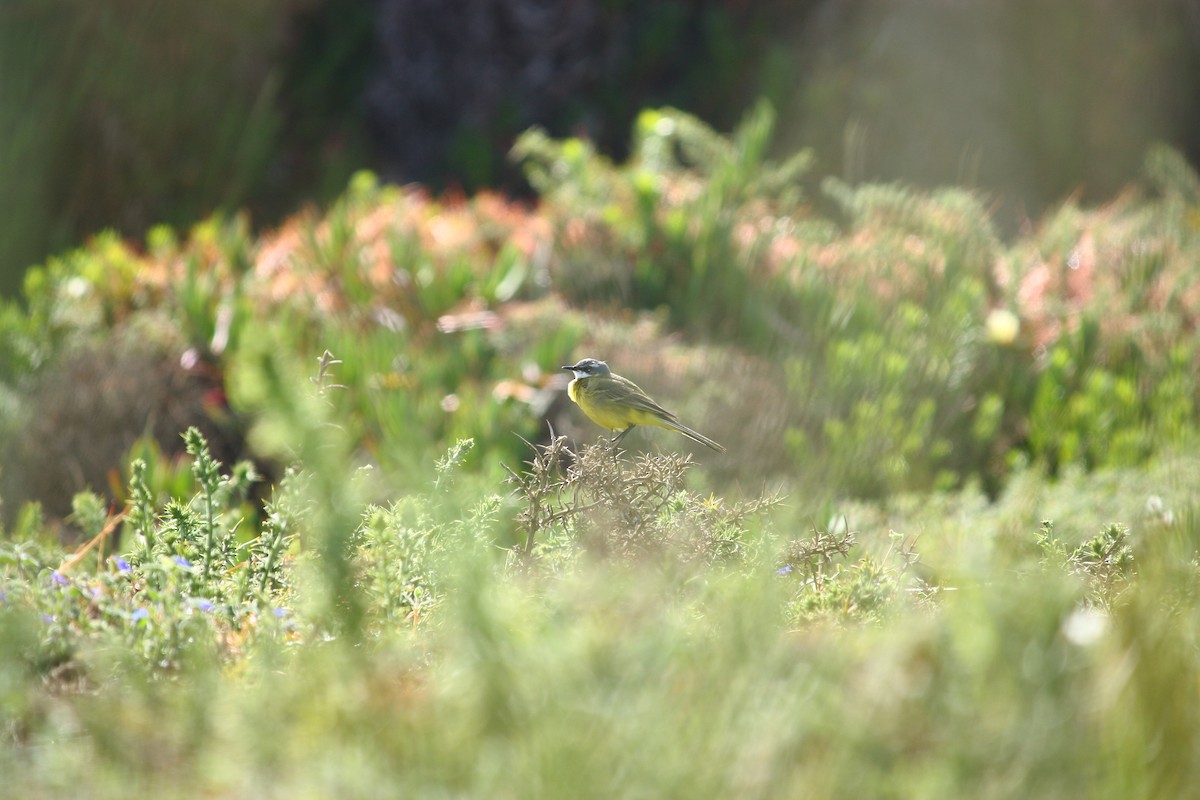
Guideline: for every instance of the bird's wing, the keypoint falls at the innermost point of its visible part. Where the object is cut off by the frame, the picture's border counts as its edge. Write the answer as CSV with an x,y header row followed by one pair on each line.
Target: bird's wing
x,y
622,390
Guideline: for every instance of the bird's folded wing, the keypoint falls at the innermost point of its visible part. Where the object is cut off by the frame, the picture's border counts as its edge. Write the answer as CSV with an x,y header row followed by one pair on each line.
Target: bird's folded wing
x,y
627,393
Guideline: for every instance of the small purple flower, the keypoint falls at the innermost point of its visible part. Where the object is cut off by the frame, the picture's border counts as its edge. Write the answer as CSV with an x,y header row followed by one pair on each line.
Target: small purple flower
x,y
139,615
786,569
46,618
183,562
4,597
205,605
281,612
59,578
122,564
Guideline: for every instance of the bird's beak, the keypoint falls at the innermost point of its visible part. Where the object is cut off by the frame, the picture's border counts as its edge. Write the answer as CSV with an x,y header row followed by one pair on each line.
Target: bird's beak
x,y
566,368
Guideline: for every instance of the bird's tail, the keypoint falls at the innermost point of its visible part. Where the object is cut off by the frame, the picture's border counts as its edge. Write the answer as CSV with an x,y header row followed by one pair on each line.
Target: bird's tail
x,y
693,435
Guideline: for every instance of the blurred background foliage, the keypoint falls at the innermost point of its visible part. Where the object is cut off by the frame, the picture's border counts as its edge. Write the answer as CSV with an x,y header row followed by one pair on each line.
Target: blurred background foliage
x,y
897,344
138,113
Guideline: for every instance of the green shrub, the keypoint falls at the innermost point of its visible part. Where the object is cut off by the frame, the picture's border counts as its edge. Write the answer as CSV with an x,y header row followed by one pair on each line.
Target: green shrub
x,y
1112,324
183,577
679,225
897,384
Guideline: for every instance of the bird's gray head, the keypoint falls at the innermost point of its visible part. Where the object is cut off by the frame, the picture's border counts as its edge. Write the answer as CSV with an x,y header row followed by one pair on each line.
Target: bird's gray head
x,y
589,367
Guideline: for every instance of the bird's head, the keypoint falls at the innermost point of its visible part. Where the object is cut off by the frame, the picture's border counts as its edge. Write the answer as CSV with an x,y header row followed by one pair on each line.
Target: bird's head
x,y
589,367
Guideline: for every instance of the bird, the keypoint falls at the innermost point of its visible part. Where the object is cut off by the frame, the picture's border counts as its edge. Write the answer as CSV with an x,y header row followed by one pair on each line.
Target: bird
x,y
618,404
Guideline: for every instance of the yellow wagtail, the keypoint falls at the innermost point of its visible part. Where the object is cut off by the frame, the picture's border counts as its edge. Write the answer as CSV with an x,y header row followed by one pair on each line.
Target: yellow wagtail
x,y
618,404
